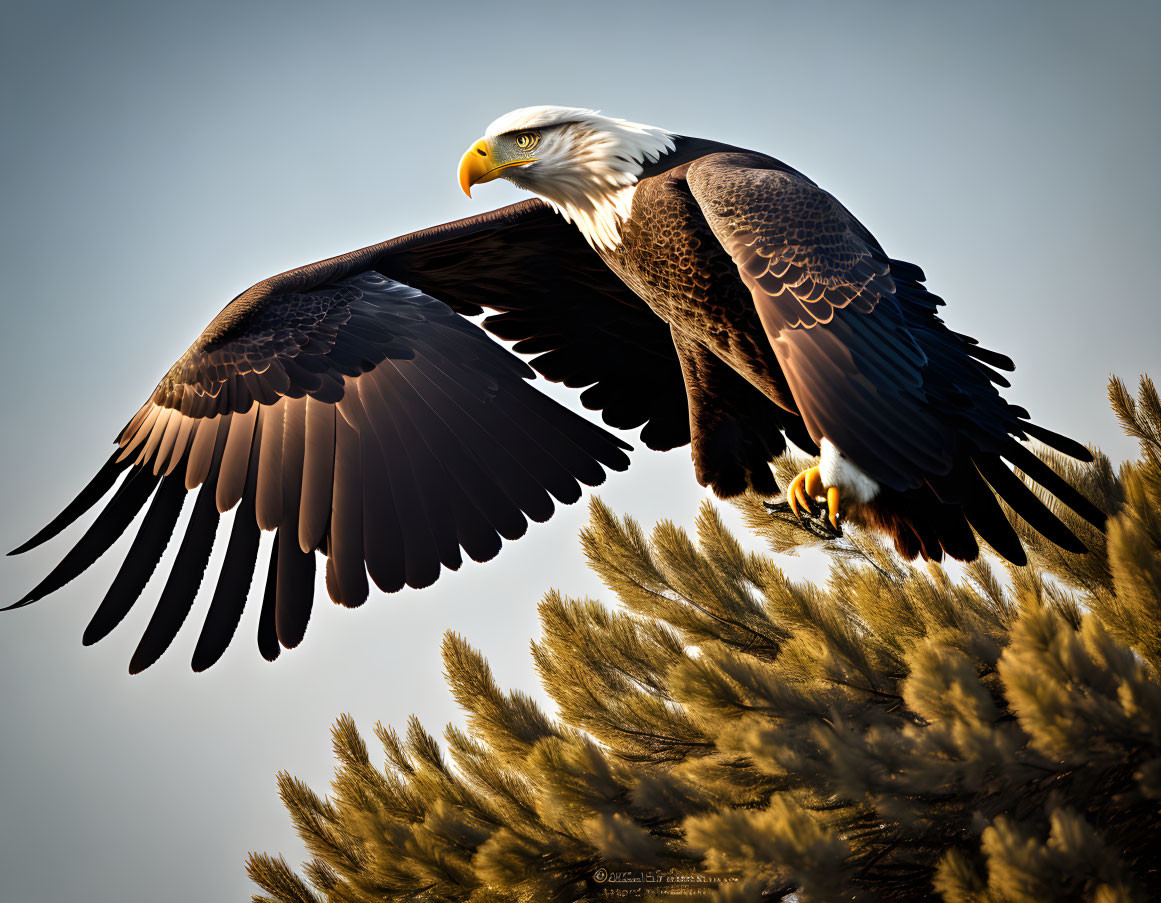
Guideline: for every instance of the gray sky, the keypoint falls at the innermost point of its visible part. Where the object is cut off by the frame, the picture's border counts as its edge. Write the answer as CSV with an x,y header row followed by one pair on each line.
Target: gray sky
x,y
158,158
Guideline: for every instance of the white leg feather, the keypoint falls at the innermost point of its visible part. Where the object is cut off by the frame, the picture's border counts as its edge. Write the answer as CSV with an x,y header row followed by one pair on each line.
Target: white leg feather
x,y
837,470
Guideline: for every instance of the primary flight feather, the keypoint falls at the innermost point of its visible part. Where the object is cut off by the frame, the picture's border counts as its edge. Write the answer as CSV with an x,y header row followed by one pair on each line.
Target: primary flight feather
x,y
705,293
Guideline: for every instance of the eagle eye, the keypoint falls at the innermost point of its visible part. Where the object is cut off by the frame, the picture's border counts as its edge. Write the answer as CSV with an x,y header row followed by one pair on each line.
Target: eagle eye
x,y
527,140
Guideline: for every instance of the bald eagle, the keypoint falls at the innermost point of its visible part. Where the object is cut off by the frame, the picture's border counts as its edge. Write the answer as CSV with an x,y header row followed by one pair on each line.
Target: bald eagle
x,y
710,295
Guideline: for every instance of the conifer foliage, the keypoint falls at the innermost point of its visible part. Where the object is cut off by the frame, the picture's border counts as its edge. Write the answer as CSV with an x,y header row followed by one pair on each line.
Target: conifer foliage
x,y
897,733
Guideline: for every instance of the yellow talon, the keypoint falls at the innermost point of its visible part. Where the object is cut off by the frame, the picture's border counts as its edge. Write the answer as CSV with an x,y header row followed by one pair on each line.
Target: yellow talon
x,y
807,486
832,505
795,495
803,488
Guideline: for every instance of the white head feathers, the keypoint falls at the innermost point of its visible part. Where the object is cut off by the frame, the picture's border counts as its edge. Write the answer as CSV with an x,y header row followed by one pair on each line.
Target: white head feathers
x,y
587,165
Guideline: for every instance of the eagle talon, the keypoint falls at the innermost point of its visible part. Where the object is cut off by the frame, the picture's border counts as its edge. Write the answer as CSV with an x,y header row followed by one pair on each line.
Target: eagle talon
x,y
832,506
803,489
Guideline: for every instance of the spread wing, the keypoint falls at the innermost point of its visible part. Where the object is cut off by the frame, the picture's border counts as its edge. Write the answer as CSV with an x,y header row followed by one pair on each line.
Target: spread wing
x,y
349,408
870,365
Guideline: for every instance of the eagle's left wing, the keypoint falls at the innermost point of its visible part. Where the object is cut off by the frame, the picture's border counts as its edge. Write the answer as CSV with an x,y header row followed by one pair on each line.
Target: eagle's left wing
x,y
349,407
870,365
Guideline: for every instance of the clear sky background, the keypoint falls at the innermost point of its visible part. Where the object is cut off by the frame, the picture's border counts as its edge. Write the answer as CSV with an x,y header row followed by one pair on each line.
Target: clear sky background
x,y
157,158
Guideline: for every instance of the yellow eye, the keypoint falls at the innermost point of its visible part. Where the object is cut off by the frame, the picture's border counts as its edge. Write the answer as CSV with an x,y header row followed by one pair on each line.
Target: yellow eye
x,y
527,140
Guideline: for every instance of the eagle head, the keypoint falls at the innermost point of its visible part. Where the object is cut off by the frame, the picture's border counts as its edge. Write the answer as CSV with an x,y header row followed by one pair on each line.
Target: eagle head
x,y
582,163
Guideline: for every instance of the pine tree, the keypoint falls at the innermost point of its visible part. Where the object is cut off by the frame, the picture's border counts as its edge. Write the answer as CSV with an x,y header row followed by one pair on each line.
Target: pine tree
x,y
894,734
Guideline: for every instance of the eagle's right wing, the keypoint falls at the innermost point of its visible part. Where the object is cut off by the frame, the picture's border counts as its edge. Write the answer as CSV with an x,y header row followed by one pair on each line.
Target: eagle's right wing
x,y
348,407
871,367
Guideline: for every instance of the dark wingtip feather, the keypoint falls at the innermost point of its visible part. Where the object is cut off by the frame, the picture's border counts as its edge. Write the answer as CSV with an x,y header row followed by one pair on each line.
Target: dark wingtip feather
x,y
294,592
1070,447
233,587
237,571
1024,502
267,632
991,358
28,599
983,512
141,560
1037,470
86,498
184,580
102,533
1016,555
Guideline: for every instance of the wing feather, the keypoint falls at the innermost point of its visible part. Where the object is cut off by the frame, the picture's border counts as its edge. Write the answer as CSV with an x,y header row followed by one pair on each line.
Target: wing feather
x,y
268,495
114,518
139,565
346,535
318,469
141,433
93,492
235,461
268,645
185,577
229,600
384,537
294,592
432,482
468,486
511,474
165,447
201,452
484,469
420,548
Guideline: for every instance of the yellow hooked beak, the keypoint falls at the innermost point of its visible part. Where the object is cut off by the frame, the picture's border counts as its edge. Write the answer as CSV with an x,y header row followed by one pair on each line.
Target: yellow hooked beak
x,y
478,165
